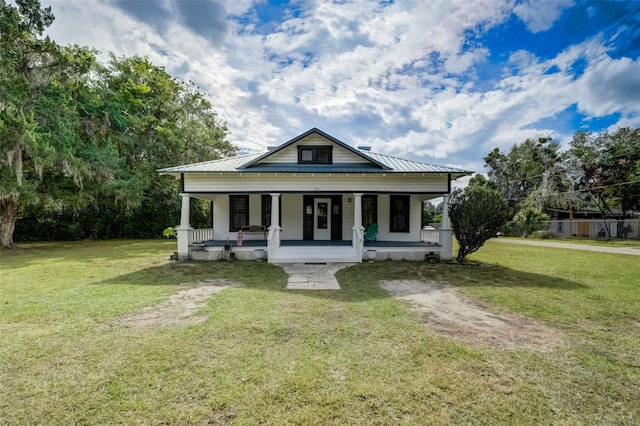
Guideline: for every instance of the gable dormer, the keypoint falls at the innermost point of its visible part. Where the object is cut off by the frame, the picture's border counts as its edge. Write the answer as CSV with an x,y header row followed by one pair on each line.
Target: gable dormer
x,y
314,148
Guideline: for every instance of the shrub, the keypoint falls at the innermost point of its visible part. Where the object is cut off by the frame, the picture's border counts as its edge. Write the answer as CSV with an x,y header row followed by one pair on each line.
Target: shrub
x,y
543,235
477,214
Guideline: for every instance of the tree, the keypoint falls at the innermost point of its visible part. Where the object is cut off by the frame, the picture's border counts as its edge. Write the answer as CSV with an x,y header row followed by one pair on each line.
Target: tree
x,y
476,213
519,172
38,118
527,220
608,165
147,120
480,180
428,213
154,121
558,188
80,142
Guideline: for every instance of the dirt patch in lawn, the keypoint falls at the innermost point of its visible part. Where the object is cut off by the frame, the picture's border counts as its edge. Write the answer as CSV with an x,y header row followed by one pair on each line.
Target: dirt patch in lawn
x,y
180,309
448,313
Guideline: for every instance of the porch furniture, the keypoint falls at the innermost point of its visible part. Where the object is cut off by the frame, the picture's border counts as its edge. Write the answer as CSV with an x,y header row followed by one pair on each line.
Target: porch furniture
x,y
254,229
372,232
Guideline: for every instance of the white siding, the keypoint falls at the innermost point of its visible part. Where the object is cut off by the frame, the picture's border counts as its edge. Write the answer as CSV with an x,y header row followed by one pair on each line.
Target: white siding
x,y
316,182
291,217
221,218
347,217
290,153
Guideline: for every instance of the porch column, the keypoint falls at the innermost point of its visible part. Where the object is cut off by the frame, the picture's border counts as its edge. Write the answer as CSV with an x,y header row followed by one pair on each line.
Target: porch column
x,y
275,229
357,220
446,236
184,233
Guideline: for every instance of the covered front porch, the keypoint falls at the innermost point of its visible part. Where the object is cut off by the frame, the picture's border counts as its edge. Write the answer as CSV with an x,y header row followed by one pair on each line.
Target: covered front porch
x,y
297,251
202,244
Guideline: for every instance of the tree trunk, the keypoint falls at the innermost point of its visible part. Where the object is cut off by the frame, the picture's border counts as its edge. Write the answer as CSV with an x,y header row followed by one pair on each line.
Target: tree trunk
x,y
8,217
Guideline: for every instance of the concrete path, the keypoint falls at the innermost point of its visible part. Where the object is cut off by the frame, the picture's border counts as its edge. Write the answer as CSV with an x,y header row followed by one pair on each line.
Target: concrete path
x,y
313,277
602,249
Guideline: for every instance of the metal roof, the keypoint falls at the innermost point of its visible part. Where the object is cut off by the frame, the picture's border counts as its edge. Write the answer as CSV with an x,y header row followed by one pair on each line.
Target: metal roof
x,y
252,163
230,164
409,166
392,165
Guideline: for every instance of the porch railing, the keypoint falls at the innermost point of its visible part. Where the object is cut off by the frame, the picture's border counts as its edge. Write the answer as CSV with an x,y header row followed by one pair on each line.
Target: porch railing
x,y
200,235
429,236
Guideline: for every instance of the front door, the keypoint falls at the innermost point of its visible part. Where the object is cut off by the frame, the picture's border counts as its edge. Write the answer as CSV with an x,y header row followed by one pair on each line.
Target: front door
x,y
322,219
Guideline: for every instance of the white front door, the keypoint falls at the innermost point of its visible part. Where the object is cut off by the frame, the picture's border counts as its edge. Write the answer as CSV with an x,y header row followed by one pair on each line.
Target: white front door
x,y
322,219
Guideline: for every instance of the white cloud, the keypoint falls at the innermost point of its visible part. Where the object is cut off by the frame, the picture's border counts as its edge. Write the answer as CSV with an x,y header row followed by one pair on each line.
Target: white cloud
x,y
240,7
609,86
399,77
540,16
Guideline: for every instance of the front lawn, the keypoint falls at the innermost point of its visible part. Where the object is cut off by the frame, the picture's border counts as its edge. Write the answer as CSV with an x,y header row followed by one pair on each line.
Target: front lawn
x,y
269,355
614,242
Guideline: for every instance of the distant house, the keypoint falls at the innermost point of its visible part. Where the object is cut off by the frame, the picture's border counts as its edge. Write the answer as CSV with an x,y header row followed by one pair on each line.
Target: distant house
x,y
314,199
588,222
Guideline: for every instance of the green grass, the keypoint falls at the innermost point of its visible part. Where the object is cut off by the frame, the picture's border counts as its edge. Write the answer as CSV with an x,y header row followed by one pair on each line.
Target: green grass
x,y
633,243
268,355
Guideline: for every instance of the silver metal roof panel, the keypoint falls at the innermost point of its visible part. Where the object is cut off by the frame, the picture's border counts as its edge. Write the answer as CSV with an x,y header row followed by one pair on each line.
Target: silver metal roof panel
x,y
236,164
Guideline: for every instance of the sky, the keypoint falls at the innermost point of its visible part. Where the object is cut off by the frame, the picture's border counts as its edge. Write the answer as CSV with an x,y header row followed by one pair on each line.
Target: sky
x,y
443,82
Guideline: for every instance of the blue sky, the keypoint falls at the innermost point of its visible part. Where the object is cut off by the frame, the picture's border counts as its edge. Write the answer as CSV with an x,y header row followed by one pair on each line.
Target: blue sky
x,y
437,81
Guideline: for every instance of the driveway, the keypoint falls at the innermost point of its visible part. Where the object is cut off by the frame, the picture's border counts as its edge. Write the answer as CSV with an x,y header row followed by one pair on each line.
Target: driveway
x,y
603,249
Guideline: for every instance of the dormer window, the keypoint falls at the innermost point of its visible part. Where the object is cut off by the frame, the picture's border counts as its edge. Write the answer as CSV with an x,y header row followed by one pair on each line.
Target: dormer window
x,y
315,155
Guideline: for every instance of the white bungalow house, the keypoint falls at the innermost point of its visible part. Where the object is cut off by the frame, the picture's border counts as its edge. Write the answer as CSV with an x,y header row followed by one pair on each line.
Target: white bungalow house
x,y
314,199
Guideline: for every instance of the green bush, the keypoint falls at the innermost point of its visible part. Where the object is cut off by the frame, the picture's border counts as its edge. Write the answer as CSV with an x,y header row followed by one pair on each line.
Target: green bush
x,y
543,235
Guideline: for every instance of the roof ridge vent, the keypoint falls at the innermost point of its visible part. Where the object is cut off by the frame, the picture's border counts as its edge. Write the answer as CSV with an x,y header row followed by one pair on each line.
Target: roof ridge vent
x,y
271,148
364,147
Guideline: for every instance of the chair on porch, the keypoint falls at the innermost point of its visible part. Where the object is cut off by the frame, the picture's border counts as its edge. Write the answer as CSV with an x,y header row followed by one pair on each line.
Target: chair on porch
x,y
371,232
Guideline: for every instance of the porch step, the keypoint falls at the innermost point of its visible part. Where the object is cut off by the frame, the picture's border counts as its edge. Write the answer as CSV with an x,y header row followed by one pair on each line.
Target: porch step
x,y
316,255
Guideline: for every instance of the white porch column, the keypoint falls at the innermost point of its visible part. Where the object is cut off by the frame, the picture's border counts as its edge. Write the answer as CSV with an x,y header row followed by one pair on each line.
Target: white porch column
x,y
357,220
446,236
184,232
275,229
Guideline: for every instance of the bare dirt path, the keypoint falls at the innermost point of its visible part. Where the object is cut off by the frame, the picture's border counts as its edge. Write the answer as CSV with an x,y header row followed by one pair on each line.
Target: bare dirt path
x,y
180,309
448,313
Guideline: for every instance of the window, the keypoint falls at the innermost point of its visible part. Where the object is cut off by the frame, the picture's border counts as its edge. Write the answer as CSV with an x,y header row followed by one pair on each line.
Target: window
x,y
315,155
369,210
266,210
399,213
238,212
559,226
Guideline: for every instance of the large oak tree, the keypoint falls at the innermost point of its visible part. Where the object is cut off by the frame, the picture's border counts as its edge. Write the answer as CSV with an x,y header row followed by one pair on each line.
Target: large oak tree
x,y
80,136
39,141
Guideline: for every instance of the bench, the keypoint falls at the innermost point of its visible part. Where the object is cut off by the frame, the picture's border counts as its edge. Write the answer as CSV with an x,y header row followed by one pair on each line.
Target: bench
x,y
251,229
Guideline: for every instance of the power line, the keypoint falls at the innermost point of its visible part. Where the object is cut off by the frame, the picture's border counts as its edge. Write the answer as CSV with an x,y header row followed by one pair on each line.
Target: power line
x,y
581,190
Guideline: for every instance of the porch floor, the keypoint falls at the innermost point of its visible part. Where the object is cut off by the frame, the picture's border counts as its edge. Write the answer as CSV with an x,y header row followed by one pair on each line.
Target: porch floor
x,y
316,243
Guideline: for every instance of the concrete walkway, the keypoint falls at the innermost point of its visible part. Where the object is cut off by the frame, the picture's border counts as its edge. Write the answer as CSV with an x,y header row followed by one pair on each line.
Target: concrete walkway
x,y
602,249
313,277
